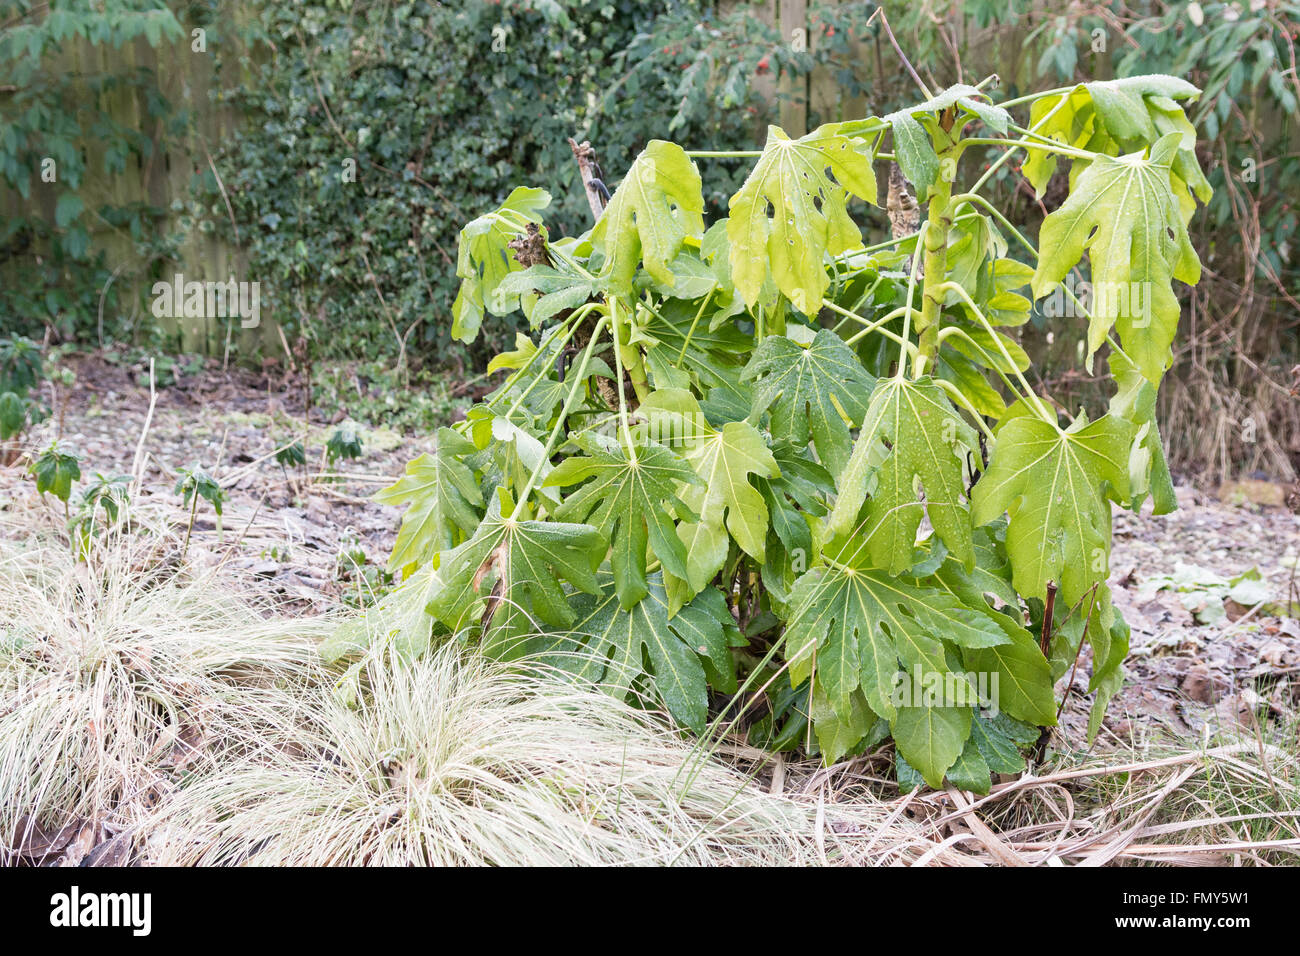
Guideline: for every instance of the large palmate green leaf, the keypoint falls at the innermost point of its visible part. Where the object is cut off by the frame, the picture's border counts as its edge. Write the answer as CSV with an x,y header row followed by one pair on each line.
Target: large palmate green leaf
x,y
1123,213
656,207
1053,484
1120,116
910,433
855,628
856,631
790,213
609,645
726,503
628,500
484,259
820,390
444,500
517,565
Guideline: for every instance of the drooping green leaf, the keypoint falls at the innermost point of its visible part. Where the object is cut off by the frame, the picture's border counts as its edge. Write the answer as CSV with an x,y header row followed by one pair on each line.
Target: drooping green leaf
x,y
838,735
1123,213
344,443
192,483
522,563
1105,684
999,740
726,502
819,391
931,738
725,460
1052,483
609,645
915,152
970,771
629,501
444,500
1148,470
913,145
543,291
1119,116
1024,678
789,214
484,259
910,433
656,207
56,469
857,627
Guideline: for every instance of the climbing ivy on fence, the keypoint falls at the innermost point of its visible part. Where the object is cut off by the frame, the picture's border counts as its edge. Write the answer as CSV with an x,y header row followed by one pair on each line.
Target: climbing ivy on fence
x,y
58,126
373,130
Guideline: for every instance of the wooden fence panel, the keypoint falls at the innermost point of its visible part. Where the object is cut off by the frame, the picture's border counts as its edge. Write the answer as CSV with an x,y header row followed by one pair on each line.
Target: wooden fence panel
x,y
188,79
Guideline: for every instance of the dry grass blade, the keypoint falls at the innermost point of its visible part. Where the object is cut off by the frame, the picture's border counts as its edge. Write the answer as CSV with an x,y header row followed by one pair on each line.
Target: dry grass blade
x,y
453,759
118,678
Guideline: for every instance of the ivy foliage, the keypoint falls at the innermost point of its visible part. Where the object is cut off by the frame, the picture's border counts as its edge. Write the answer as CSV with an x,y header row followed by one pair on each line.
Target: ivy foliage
x,y
371,131
61,124
777,455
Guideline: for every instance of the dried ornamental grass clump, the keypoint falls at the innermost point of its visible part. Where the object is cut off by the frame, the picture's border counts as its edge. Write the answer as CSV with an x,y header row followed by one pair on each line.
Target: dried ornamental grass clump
x,y
120,679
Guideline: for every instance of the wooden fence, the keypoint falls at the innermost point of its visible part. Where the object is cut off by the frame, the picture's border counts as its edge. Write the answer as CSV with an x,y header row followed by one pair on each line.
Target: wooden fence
x,y
187,77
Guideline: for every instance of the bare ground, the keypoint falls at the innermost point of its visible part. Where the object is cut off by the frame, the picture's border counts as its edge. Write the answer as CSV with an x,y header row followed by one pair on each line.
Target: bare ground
x,y
1185,677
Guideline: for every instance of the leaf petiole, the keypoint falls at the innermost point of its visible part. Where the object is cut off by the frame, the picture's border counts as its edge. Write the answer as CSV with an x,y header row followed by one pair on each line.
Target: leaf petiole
x,y
579,383
945,287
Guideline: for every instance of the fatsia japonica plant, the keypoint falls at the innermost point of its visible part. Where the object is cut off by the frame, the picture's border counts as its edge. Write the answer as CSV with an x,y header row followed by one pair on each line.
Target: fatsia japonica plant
x,y
764,450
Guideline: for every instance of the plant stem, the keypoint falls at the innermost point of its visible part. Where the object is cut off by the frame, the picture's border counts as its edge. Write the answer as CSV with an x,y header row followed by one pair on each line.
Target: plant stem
x,y
703,305
579,382
1084,311
1049,146
950,330
194,507
1037,402
956,393
1007,104
911,289
884,22
618,374
938,223
572,326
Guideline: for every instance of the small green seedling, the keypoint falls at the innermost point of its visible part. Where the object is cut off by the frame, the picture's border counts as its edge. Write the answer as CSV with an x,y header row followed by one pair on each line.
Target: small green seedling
x,y
55,470
105,495
291,455
192,484
344,444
